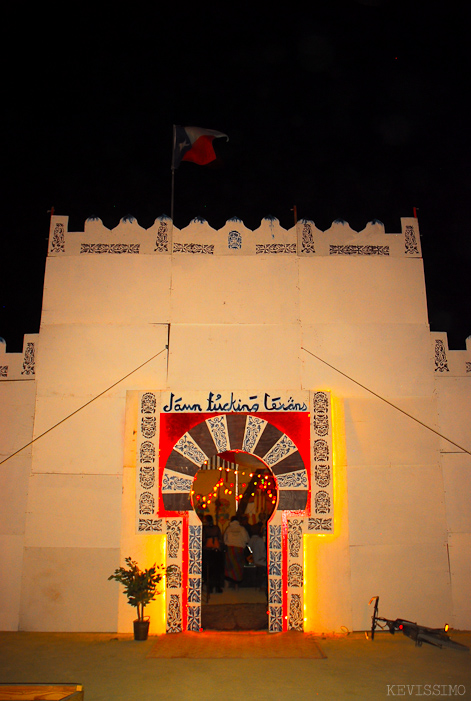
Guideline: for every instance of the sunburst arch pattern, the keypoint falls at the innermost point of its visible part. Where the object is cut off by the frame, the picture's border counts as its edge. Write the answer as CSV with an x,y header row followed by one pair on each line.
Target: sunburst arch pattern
x,y
248,433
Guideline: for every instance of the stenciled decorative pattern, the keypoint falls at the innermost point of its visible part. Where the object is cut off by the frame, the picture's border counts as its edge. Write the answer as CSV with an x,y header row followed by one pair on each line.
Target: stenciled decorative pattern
x,y
3,370
275,582
293,480
234,240
194,590
322,475
410,241
321,470
352,250
468,367
275,591
174,577
187,447
295,616
321,450
218,428
275,562
295,575
161,240
275,537
195,551
295,532
58,240
275,248
174,532
110,248
153,525
194,618
283,447
322,502
146,503
441,362
307,239
147,452
321,414
29,360
176,483
148,403
253,431
148,426
276,619
174,614
319,524
147,476
198,248
194,574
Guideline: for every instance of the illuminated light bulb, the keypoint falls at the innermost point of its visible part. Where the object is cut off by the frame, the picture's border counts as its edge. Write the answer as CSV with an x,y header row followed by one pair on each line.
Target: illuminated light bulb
x,y
204,498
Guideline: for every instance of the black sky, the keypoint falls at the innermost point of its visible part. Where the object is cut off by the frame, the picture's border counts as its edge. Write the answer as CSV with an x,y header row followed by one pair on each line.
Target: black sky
x,y
349,109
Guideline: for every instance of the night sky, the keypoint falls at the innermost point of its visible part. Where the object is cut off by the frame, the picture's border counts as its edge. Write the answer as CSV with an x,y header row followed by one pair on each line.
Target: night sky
x,y
350,109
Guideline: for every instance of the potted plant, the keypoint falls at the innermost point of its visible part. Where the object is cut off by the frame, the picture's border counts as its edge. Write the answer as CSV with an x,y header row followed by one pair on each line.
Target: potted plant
x,y
140,586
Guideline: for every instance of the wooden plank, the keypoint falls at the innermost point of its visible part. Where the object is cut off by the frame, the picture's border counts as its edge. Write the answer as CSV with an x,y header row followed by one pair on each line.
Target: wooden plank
x,y
40,692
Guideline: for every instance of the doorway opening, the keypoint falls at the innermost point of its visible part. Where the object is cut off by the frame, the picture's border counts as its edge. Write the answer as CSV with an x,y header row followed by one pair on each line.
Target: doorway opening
x,y
234,495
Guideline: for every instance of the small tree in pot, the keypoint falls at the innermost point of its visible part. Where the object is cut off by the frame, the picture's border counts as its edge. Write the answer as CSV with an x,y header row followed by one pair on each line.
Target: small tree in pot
x,y
140,586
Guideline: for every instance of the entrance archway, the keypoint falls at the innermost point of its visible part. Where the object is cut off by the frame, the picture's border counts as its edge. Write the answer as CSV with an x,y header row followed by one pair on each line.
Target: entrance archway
x,y
281,441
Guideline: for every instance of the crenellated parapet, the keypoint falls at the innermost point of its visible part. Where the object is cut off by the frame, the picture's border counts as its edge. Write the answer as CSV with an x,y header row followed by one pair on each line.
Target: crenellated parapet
x,y
234,238
19,366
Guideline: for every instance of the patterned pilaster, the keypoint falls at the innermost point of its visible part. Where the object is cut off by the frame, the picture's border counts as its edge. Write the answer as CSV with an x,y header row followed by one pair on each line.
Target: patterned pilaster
x,y
147,461
275,580
322,495
295,564
194,572
174,575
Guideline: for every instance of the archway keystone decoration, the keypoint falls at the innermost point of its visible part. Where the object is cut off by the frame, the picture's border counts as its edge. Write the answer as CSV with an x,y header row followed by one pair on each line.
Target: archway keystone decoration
x,y
177,435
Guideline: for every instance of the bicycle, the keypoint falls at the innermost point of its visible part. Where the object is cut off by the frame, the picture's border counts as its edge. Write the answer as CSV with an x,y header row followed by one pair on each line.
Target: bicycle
x,y
419,634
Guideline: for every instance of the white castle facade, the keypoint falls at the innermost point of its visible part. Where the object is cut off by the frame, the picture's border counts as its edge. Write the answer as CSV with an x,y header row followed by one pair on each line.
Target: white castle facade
x,y
308,350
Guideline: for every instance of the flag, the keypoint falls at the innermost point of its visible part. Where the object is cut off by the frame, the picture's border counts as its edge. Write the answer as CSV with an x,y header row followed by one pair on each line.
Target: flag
x,y
194,144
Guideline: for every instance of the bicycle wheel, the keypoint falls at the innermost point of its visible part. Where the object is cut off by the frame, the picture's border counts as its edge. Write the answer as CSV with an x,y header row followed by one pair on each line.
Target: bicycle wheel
x,y
441,641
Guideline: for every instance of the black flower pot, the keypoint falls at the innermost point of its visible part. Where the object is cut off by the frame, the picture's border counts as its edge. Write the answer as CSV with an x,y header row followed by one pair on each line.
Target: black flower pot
x,y
141,629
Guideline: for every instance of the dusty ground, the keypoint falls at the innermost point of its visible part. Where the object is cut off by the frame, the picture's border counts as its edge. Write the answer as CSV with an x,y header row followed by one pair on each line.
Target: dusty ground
x,y
116,667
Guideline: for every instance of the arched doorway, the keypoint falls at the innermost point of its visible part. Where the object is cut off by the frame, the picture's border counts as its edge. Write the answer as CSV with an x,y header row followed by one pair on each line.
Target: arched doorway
x,y
234,486
281,441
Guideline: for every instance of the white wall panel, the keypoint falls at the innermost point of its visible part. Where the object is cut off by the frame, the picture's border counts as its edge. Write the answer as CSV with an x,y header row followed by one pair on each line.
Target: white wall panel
x,y
460,564
457,482
454,401
391,360
224,290
412,581
74,511
14,480
376,433
90,441
234,356
385,508
122,289
362,290
11,549
67,589
84,360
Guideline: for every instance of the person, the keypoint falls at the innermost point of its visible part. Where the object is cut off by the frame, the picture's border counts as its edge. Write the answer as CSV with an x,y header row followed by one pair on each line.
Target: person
x,y
259,553
235,539
213,556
